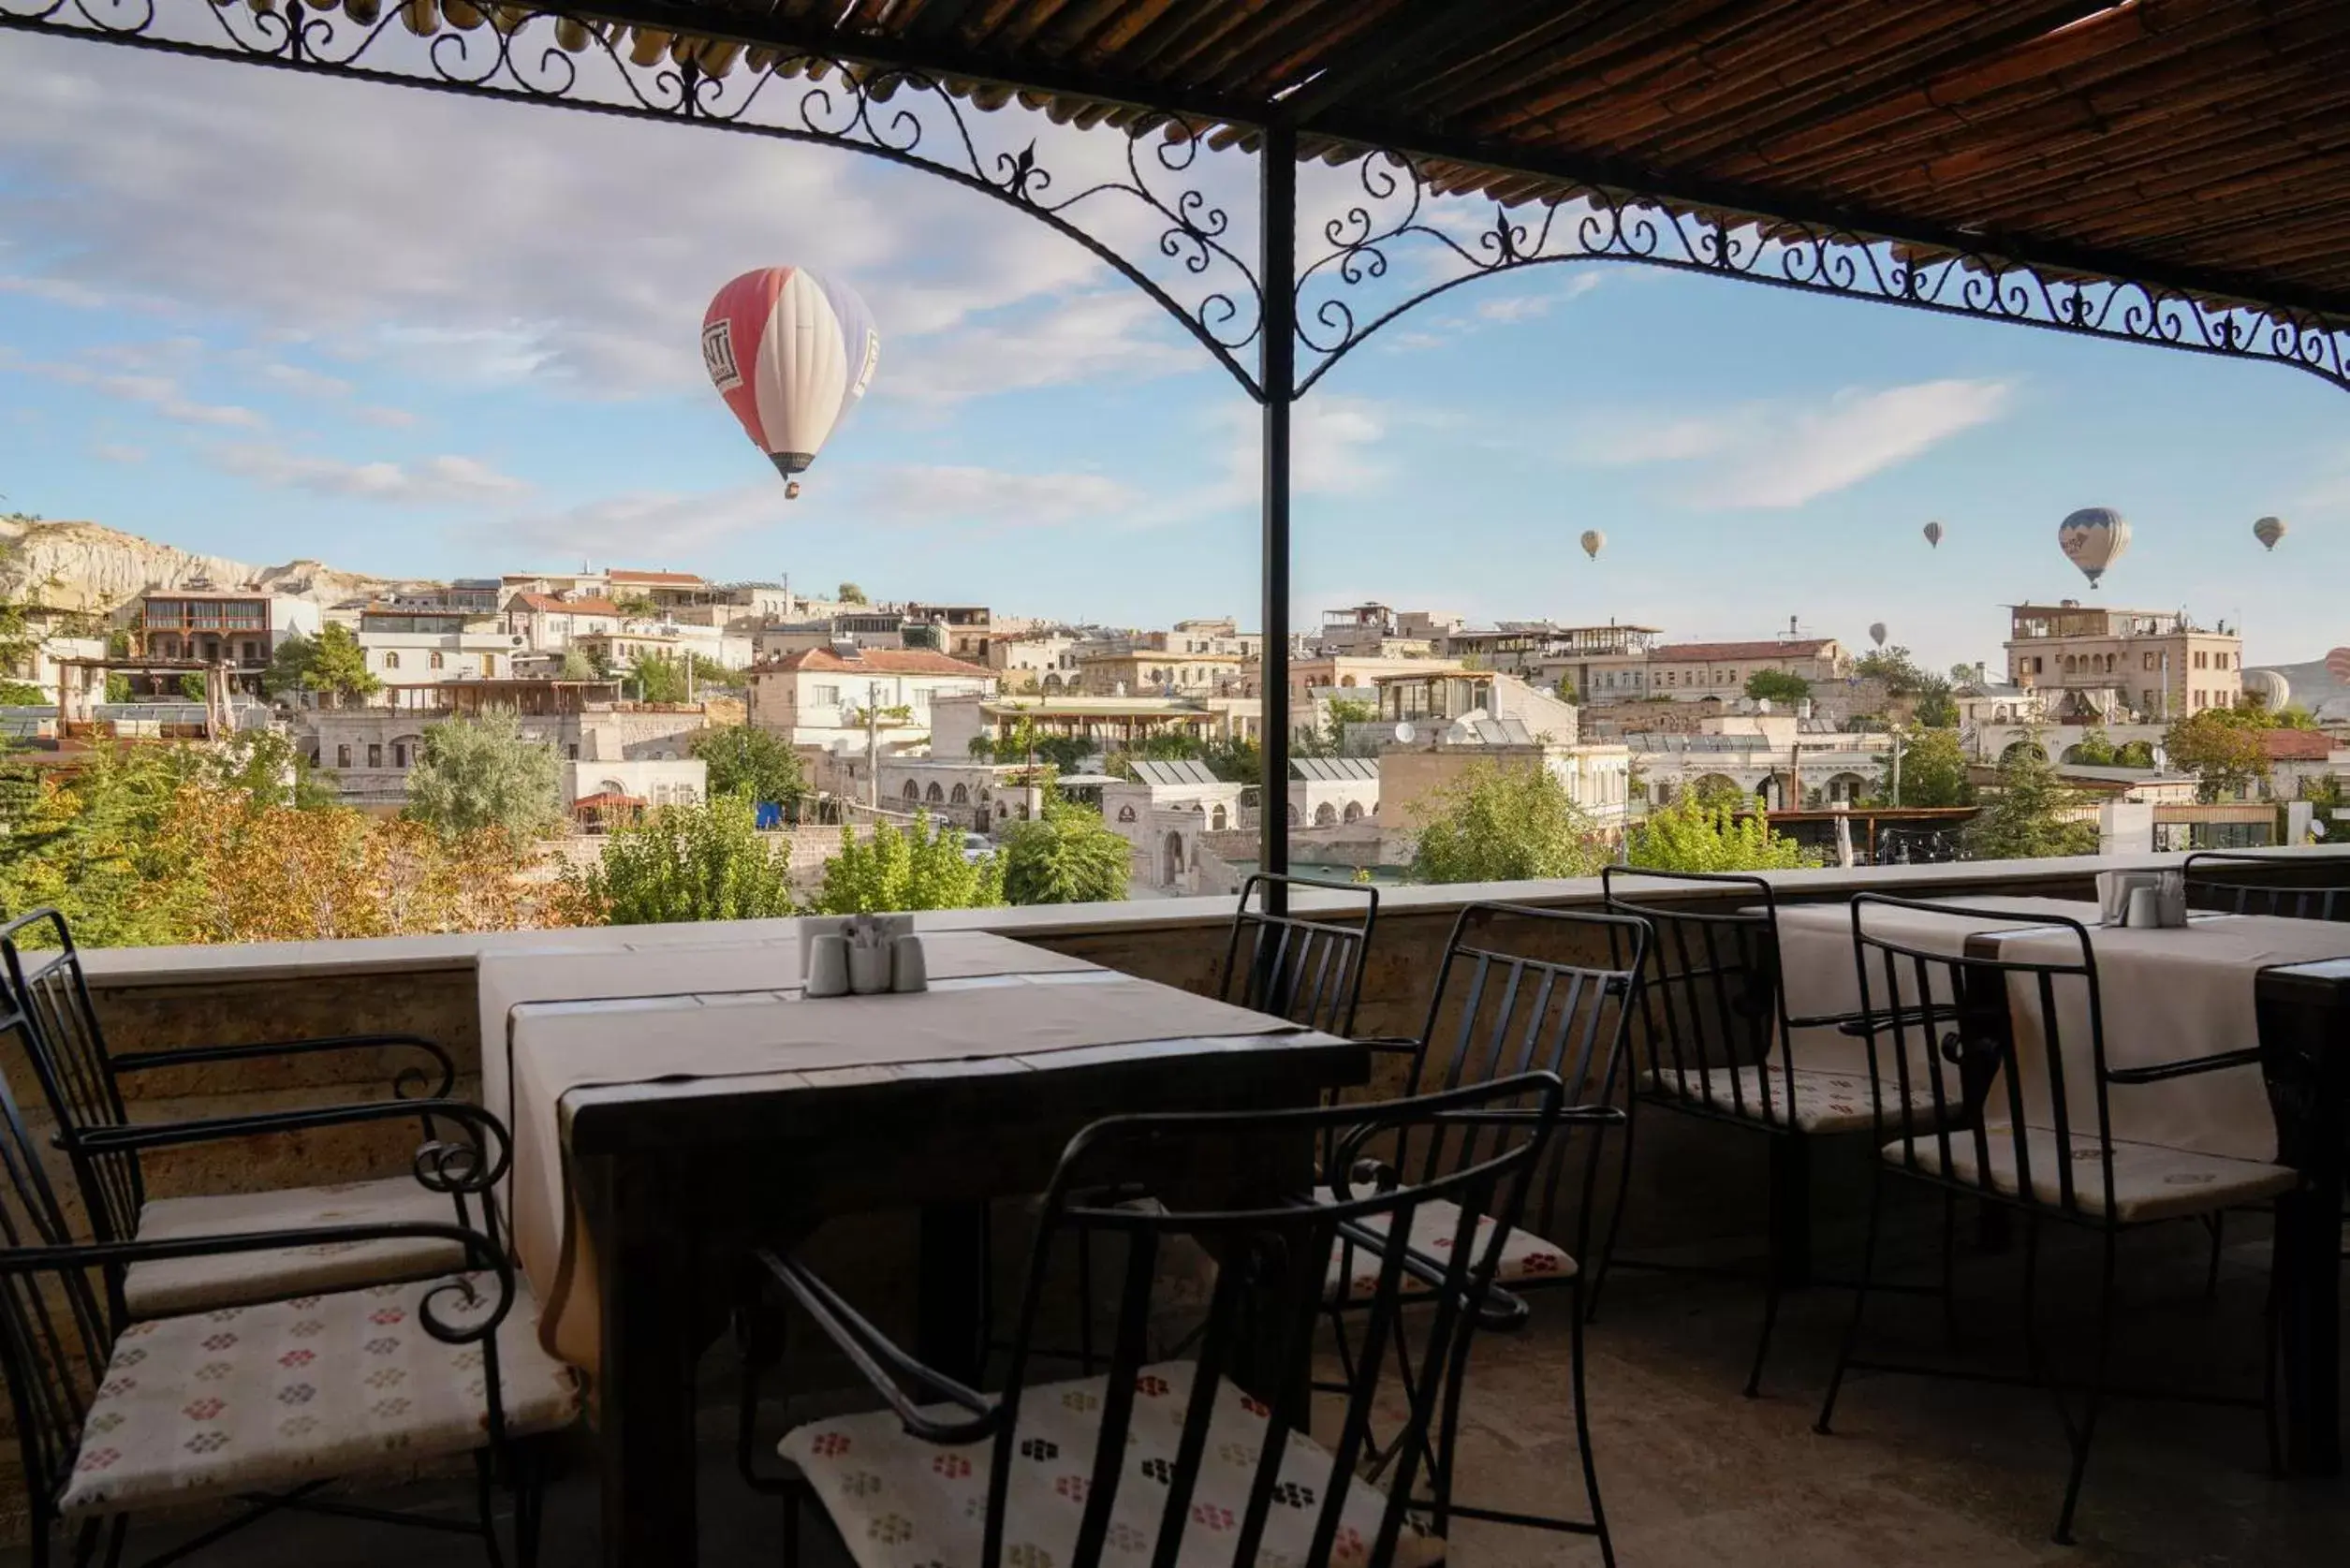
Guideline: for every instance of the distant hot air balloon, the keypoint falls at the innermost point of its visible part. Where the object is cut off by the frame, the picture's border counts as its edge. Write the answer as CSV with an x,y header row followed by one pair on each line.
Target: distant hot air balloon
x,y
2269,531
790,352
1933,536
1876,632
2273,690
1594,542
2337,665
2092,539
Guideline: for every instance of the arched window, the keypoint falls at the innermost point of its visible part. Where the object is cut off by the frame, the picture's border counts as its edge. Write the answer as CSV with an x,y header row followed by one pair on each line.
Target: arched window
x,y
1354,811
1345,680
913,791
1216,820
1324,816
934,794
1053,684
439,661
962,796
392,660
1125,813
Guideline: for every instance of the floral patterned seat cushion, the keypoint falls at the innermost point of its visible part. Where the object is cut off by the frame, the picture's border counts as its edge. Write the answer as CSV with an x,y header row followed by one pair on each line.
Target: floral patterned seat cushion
x,y
2151,1182
195,1284
268,1396
1354,1270
1824,1102
902,1503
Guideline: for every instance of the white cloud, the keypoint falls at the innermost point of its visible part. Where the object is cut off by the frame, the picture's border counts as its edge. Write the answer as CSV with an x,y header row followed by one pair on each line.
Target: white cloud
x,y
1509,308
1335,448
303,382
55,291
921,495
159,392
437,481
624,524
383,416
1775,456
116,451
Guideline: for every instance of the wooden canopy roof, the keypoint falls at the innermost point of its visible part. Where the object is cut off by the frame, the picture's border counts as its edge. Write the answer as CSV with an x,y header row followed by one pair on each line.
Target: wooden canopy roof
x,y
2198,144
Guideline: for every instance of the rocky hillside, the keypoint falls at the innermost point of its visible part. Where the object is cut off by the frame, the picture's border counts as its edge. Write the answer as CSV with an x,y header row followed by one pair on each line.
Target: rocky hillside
x,y
90,567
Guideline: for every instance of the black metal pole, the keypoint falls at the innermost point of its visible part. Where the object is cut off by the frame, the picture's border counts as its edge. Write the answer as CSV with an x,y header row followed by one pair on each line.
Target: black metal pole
x,y
1276,360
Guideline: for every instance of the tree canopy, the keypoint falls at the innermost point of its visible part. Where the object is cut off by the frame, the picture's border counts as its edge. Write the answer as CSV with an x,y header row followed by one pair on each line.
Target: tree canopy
x,y
1067,856
1691,836
744,759
1934,771
849,594
657,680
2223,747
476,773
919,865
332,663
2029,813
697,862
1777,685
1496,824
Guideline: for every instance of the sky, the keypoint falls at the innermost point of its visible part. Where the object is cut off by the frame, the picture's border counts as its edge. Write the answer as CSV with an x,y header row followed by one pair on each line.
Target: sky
x,y
269,316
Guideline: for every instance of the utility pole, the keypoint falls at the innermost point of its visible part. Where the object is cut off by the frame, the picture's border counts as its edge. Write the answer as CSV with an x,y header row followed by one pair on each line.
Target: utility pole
x,y
872,744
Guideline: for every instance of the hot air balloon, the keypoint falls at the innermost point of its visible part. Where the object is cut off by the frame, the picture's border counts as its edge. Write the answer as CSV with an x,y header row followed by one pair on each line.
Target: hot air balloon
x,y
790,352
1933,536
1876,632
2092,539
2269,531
1594,542
2337,665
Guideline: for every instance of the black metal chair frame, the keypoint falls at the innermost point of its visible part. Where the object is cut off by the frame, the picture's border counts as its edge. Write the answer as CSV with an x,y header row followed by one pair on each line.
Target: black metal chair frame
x,y
1963,1028
1593,1006
1274,1263
82,1080
1720,967
1303,967
2283,891
56,1342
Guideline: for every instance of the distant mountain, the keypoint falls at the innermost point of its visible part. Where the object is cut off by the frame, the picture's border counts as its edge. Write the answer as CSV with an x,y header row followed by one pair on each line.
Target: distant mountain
x,y
2313,689
87,566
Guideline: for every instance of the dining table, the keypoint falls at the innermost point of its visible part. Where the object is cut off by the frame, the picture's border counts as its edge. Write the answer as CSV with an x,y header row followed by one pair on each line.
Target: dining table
x,y
674,1105
2218,983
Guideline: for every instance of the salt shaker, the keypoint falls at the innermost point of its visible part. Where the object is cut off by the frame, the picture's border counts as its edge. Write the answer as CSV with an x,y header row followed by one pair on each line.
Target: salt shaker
x,y
909,970
827,966
2146,907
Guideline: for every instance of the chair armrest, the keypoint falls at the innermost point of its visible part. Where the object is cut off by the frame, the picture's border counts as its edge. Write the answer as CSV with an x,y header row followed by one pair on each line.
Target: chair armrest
x,y
441,1166
879,1361
1827,1021
1859,1025
482,1257
1394,1045
2185,1066
194,1056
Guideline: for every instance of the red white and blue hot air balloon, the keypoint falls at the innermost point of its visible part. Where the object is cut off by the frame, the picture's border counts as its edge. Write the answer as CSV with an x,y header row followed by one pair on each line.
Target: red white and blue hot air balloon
x,y
790,351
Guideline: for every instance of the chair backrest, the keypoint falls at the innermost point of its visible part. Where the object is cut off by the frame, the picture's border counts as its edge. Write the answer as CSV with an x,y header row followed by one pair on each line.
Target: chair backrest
x,y
1269,1297
2296,886
69,1051
2012,1112
1307,969
1499,1010
55,1338
1711,1003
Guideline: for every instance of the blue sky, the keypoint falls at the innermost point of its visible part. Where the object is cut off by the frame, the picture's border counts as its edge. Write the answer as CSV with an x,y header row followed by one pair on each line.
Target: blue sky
x,y
264,316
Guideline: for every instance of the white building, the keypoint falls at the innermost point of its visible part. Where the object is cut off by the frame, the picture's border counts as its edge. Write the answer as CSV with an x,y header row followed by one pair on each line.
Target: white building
x,y
1161,813
681,781
820,697
548,624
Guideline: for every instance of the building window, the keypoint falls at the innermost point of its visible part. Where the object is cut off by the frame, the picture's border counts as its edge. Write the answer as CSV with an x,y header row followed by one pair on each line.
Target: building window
x,y
253,652
1216,822
374,754
913,790
398,753
825,696
2146,661
2202,660
439,661
391,660
571,752
934,794
962,796
489,665
342,756
1125,813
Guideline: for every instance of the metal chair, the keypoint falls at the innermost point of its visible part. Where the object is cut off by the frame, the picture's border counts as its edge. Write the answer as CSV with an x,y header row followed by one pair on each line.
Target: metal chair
x,y
265,1404
2294,885
1201,1462
1719,1043
1944,1026
1514,1012
82,1080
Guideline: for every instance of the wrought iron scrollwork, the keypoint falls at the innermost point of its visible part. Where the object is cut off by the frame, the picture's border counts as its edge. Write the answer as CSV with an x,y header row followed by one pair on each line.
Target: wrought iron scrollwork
x,y
1339,306
903,115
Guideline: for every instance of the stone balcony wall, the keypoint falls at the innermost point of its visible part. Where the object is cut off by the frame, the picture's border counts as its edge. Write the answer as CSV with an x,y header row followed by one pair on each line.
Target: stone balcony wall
x,y
1695,1188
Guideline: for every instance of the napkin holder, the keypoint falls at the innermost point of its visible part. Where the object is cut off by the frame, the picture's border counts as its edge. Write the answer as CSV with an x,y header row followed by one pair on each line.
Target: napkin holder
x,y
2170,889
876,962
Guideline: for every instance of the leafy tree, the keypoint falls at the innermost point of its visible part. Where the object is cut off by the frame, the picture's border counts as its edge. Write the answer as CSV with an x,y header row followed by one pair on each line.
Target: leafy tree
x,y
2134,753
1238,761
1495,824
1067,856
600,662
1777,686
477,773
637,604
701,862
1722,794
2223,752
1893,665
709,672
1063,754
747,760
2095,749
657,680
1934,771
2031,813
1692,836
849,594
333,663
1936,708
192,686
919,865
117,686
1168,746
1331,739
578,666
269,769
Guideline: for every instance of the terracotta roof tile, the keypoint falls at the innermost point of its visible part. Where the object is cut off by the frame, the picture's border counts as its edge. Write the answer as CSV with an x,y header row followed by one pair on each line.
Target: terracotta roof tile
x,y
877,661
2297,745
1689,652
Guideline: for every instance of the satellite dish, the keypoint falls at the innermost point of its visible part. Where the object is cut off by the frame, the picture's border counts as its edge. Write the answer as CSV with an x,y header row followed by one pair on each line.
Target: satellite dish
x,y
1406,734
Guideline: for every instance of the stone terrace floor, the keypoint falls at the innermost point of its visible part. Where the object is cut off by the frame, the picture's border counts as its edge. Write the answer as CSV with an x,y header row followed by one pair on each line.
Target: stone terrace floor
x,y
1920,1471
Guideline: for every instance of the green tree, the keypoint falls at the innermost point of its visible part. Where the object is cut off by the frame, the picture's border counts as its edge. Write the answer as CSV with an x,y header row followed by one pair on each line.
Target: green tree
x,y
1936,708
20,643
1063,754
477,773
2095,749
919,865
600,662
657,680
1933,770
2029,813
638,605
1067,856
1170,745
1691,836
117,686
1716,793
578,665
332,663
849,594
2134,753
1893,665
192,686
1331,739
1777,686
2225,753
701,862
1236,760
744,759
1496,824
271,770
